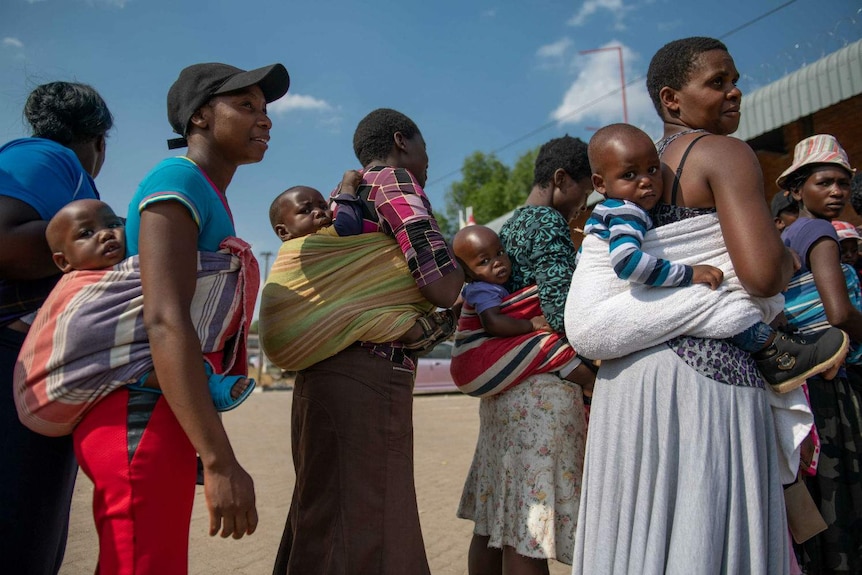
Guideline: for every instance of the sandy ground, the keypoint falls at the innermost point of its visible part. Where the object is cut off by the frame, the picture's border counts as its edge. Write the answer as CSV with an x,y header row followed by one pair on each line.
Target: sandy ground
x,y
445,435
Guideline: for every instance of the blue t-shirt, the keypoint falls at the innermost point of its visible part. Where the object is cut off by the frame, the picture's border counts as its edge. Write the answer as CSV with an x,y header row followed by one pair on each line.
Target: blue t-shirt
x,y
43,174
484,295
802,234
46,176
180,180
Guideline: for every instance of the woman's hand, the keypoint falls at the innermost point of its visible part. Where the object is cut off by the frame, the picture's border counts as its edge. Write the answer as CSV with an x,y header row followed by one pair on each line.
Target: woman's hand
x,y
231,502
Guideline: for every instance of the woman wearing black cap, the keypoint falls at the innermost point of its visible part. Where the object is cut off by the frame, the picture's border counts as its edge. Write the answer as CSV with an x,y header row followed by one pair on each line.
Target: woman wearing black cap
x,y
139,447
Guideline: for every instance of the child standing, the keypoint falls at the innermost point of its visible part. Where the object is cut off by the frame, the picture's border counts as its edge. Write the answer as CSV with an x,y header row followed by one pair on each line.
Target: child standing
x,y
627,171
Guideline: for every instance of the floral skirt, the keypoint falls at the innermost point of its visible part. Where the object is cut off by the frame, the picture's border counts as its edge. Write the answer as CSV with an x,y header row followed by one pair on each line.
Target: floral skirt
x,y
524,485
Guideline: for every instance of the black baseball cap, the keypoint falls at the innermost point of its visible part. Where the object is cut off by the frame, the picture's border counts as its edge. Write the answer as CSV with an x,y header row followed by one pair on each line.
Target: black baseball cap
x,y
200,82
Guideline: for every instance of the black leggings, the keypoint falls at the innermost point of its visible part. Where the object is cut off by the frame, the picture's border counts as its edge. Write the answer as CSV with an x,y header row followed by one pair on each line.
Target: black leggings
x,y
37,477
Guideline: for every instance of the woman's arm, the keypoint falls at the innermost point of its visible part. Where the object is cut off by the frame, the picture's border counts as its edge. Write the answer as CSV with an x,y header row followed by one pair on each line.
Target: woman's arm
x,y
443,292
24,253
168,256
823,261
407,211
761,261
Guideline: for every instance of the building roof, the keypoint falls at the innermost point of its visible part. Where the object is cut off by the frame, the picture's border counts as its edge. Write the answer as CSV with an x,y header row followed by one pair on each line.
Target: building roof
x,y
498,222
827,81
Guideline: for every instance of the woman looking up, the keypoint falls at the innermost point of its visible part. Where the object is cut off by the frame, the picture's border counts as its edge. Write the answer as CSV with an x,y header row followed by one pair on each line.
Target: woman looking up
x,y
38,176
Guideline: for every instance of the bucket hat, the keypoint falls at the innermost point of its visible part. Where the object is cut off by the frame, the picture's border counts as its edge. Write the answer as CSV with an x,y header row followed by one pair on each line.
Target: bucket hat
x,y
819,149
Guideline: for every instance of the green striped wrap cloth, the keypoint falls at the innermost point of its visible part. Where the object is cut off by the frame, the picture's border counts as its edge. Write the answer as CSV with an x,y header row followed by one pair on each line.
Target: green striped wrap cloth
x,y
326,292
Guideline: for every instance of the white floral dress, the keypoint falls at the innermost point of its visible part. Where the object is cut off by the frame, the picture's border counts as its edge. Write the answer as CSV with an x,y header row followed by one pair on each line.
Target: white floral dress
x,y
524,485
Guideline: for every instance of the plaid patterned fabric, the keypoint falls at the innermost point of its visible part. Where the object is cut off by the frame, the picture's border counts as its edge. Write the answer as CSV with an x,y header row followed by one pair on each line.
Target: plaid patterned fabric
x,y
402,210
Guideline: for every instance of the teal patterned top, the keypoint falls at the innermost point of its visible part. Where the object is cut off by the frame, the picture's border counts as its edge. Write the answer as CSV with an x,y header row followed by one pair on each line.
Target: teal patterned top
x,y
539,243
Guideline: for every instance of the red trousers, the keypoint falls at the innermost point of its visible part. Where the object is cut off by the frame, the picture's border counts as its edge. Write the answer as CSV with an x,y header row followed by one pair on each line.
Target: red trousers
x,y
143,467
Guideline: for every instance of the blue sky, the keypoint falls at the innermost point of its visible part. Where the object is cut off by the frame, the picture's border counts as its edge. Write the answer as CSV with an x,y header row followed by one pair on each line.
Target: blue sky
x,y
475,75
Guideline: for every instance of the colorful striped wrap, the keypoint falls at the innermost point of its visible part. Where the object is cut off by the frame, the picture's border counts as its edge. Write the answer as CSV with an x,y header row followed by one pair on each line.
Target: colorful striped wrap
x,y
484,365
804,308
327,292
89,338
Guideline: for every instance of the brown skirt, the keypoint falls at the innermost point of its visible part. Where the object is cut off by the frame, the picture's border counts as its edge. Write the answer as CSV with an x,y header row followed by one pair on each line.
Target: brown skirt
x,y
354,504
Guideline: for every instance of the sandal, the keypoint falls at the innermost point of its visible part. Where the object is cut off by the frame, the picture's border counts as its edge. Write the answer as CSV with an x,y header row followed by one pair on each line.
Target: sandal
x,y
220,387
437,326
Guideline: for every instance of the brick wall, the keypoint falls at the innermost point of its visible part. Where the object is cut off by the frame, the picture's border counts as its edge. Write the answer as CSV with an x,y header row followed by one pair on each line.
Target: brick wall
x,y
843,120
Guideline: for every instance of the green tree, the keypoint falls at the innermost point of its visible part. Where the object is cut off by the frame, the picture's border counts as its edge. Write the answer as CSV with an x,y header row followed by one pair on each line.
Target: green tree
x,y
520,180
484,179
489,186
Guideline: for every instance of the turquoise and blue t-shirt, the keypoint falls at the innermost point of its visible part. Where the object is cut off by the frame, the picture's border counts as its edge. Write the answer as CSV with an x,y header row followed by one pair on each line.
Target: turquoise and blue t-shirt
x,y
180,180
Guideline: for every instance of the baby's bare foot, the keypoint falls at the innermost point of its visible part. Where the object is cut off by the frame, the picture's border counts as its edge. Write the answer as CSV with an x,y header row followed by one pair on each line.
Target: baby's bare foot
x,y
239,387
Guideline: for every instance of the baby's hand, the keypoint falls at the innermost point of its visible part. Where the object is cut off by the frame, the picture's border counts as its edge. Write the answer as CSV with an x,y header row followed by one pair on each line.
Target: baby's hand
x,y
349,182
707,275
540,323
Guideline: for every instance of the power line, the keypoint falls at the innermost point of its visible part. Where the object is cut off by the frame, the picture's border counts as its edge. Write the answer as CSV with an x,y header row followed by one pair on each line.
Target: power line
x,y
613,92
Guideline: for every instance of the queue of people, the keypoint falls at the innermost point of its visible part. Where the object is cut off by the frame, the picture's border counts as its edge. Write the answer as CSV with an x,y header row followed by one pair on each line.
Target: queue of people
x,y
602,445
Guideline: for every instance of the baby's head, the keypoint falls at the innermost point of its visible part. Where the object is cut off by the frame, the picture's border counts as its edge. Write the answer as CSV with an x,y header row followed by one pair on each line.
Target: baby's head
x,y
848,241
86,235
625,165
481,254
299,211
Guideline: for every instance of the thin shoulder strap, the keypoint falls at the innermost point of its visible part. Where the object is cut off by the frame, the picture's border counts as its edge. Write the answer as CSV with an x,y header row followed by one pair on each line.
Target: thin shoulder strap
x,y
678,173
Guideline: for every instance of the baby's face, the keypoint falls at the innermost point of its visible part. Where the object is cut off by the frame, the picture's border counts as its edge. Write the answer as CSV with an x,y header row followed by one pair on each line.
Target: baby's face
x,y
303,212
632,171
93,237
849,251
486,260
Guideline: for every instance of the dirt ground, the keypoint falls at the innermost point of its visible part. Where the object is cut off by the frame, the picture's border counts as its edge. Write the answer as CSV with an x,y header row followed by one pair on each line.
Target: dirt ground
x,y
445,434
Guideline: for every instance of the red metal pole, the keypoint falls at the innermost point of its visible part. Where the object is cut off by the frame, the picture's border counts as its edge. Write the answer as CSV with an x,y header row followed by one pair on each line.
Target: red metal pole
x,y
622,75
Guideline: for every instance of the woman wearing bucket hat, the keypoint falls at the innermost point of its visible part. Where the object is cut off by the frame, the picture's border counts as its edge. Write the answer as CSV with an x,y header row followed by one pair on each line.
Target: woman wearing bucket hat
x,y
822,293
139,447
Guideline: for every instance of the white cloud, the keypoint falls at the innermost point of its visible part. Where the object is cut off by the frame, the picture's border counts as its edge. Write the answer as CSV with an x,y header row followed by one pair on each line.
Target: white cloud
x,y
13,42
292,102
490,13
556,50
595,97
590,7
